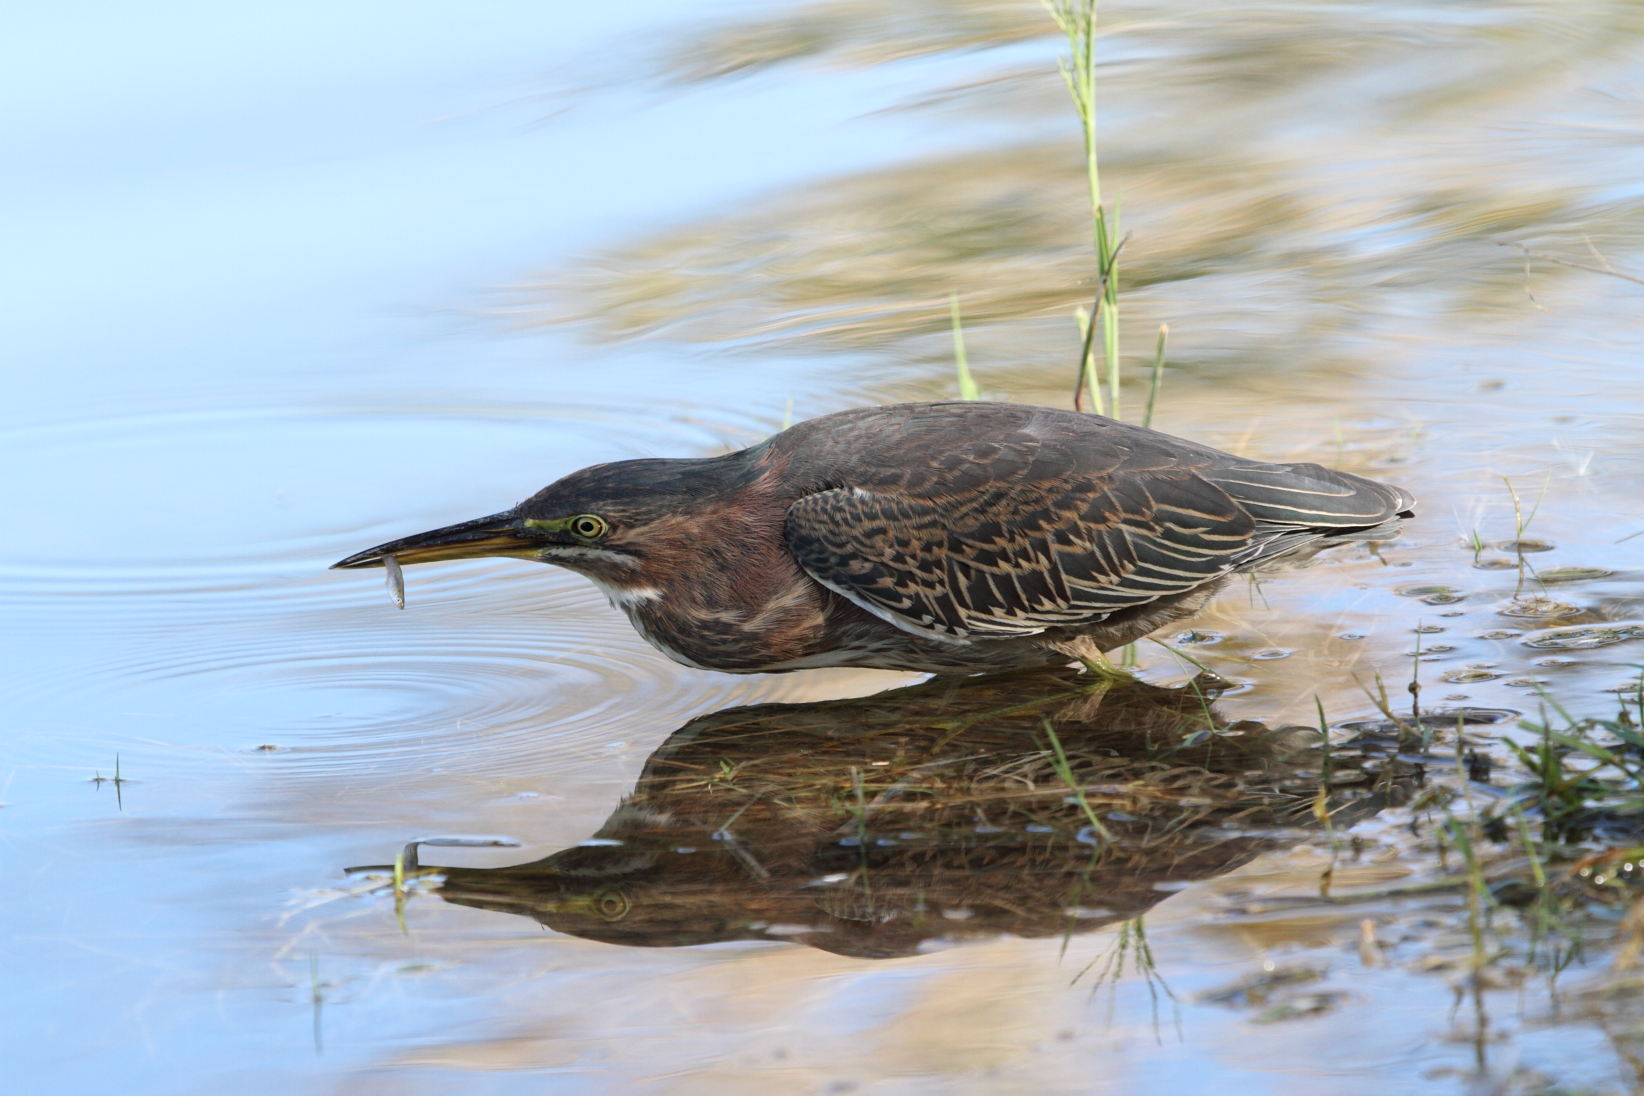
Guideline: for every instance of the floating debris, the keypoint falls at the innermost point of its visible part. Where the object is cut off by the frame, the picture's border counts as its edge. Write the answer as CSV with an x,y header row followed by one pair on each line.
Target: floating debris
x,y
1198,635
1526,545
396,580
1272,652
1435,649
1500,633
1572,574
1584,638
1537,607
1525,682
1446,717
1426,629
1351,635
1468,676
1495,563
1429,591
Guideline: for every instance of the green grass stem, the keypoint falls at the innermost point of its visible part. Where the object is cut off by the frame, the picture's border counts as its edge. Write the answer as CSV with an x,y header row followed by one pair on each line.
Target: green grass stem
x,y
967,383
1158,375
1077,21
1087,382
1064,770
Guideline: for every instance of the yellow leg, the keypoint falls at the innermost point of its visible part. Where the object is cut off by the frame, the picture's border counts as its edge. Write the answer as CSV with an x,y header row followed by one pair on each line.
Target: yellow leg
x,y
1099,665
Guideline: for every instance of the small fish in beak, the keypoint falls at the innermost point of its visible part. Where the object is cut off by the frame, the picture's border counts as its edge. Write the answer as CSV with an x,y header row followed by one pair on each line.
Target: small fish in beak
x,y
396,580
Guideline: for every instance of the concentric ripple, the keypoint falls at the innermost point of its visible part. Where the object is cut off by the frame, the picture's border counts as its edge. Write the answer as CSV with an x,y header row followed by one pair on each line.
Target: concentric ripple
x,y
189,595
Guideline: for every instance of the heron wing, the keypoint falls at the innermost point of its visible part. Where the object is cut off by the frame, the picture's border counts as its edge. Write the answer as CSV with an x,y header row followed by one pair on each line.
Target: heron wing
x,y
961,551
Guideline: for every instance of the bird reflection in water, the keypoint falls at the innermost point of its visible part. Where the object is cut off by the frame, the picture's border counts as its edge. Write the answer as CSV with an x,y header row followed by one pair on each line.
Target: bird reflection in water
x,y
869,826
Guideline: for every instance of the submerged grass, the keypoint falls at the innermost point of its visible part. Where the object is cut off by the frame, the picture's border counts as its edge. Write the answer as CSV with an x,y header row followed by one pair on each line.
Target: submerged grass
x,y
316,997
1132,943
117,780
1064,772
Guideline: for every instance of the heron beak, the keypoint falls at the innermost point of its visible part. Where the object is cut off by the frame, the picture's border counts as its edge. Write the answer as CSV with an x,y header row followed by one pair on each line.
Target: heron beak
x,y
504,534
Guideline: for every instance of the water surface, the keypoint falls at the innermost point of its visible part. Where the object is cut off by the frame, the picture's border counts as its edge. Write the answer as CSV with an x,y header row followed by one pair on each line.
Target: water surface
x,y
288,286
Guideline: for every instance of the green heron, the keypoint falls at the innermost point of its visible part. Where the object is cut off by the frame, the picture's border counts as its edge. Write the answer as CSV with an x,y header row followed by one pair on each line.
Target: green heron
x,y
939,538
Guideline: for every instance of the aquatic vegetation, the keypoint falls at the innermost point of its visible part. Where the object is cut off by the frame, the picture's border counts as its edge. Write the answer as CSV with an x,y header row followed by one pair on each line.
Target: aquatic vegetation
x,y
1537,607
119,782
1572,574
1158,374
1076,19
961,364
1582,638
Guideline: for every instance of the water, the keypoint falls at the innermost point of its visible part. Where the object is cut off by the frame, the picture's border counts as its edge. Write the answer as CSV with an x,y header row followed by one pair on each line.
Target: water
x,y
287,286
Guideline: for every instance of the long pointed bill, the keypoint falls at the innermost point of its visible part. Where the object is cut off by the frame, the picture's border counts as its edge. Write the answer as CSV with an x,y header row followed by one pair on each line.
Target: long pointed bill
x,y
503,534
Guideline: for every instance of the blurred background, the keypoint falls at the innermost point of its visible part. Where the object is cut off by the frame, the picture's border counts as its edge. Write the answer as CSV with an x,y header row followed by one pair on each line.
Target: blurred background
x,y
284,283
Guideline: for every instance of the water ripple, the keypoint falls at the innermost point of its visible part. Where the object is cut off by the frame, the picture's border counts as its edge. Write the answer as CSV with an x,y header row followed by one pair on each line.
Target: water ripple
x,y
192,584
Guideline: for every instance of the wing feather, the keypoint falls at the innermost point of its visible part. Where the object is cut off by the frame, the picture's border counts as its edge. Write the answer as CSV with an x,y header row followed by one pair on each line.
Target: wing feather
x,y
1011,536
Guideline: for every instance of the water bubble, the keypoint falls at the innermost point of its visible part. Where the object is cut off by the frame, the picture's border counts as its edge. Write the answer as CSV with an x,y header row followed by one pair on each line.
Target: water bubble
x,y
1526,682
1500,633
1426,629
1551,662
1351,635
1198,635
1584,638
1272,652
1435,649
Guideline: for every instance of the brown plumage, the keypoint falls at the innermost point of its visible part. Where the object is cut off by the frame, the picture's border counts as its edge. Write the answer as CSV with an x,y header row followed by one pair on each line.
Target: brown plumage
x,y
946,538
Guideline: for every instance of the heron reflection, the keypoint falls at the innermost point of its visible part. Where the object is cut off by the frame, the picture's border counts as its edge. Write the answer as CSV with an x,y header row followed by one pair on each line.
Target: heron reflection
x,y
1031,804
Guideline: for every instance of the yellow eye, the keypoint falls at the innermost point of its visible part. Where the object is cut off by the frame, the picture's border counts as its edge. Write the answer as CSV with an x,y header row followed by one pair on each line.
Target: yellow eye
x,y
613,905
589,526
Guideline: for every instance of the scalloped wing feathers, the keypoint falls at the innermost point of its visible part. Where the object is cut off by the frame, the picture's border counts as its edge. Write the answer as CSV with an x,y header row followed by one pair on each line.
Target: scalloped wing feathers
x,y
1013,535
